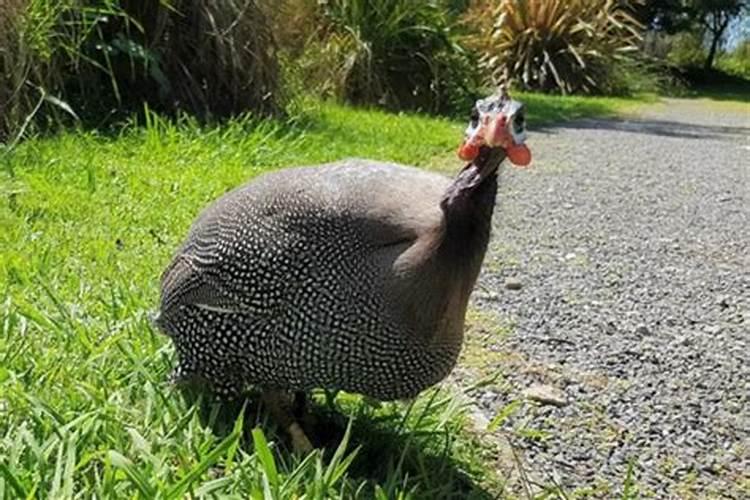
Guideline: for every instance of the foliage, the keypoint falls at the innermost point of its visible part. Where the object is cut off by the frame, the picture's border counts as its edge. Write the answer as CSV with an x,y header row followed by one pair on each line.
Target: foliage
x,y
669,16
737,62
210,58
700,18
42,52
686,50
715,16
399,54
553,45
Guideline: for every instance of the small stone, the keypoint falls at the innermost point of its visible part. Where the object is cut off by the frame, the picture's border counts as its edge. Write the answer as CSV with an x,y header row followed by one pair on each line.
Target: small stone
x,y
479,418
713,329
513,284
546,394
685,340
642,330
490,296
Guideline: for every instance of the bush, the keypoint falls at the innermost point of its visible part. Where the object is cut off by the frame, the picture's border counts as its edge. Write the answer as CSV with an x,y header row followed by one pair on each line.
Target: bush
x,y
641,75
553,45
686,50
399,54
211,58
737,62
42,54
216,57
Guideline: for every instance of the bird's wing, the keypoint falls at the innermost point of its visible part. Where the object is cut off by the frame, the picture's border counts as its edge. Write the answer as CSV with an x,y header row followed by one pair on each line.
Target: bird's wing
x,y
186,281
393,203
226,265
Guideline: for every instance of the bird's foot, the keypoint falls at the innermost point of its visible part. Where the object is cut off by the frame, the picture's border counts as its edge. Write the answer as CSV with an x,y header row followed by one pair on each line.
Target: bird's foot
x,y
280,406
300,443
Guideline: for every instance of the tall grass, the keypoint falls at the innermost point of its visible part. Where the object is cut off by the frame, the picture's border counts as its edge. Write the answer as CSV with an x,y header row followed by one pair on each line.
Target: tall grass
x,y
104,57
399,54
44,56
211,58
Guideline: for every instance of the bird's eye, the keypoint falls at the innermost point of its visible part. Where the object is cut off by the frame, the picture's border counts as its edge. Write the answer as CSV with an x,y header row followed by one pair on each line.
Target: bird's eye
x,y
474,117
519,123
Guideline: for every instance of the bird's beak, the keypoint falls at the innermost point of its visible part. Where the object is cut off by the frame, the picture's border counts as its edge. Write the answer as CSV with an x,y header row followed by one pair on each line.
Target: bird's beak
x,y
495,132
500,133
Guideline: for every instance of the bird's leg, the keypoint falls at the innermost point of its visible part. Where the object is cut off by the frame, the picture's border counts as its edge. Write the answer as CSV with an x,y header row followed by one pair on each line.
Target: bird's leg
x,y
302,411
280,408
299,404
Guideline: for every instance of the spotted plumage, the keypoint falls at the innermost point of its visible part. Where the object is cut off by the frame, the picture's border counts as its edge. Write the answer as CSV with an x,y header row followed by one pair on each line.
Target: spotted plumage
x,y
285,281
353,275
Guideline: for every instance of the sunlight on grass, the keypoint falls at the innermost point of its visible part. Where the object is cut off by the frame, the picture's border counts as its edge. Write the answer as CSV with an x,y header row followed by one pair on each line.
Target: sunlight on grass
x,y
87,223
544,109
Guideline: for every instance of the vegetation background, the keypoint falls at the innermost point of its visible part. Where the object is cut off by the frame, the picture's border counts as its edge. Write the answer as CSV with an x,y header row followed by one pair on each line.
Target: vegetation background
x,y
120,118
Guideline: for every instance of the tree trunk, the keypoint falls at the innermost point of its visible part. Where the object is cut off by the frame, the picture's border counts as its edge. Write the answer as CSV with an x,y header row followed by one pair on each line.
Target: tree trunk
x,y
712,53
717,32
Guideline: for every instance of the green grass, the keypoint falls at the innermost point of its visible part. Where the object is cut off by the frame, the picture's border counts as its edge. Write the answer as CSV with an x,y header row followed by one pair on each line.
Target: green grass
x,y
87,223
737,96
718,86
545,109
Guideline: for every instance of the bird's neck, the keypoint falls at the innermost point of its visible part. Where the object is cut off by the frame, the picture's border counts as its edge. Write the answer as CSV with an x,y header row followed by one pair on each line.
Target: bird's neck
x,y
468,219
454,264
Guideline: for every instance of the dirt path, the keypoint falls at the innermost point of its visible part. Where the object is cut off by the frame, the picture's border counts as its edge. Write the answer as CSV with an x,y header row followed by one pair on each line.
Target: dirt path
x,y
631,243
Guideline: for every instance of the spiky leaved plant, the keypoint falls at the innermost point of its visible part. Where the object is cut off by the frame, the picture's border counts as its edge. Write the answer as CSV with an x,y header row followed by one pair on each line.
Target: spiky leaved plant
x,y
553,45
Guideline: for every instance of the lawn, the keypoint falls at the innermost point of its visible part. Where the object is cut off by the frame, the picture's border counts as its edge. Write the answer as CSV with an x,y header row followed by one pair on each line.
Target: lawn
x,y
89,220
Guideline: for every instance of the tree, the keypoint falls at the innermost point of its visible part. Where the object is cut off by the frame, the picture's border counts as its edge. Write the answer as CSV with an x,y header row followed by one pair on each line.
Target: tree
x,y
670,16
715,16
711,17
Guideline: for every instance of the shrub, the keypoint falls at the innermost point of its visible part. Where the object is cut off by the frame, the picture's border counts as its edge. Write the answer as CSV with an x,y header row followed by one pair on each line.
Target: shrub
x,y
399,54
737,62
212,58
42,53
569,46
686,50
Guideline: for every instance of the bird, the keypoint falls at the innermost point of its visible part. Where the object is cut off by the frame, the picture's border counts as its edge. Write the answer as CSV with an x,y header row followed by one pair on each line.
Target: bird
x,y
353,275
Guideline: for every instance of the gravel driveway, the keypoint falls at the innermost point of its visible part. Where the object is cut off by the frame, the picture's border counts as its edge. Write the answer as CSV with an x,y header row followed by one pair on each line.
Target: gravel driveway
x,y
630,241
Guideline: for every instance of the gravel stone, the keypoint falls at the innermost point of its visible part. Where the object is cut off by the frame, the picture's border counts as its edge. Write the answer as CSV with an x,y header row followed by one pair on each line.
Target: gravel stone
x,y
650,317
642,330
546,394
513,284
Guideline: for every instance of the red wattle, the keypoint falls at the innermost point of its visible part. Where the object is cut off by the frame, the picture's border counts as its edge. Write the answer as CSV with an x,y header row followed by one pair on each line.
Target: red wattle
x,y
519,155
468,151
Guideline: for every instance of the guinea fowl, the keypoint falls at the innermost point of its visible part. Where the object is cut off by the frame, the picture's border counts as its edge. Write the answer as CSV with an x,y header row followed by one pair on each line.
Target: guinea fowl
x,y
349,276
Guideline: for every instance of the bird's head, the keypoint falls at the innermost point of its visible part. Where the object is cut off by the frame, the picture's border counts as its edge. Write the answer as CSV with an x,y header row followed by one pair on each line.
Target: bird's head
x,y
497,130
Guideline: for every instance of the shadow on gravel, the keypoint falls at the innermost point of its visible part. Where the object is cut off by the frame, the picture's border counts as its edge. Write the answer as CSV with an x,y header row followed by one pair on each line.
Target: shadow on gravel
x,y
661,128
